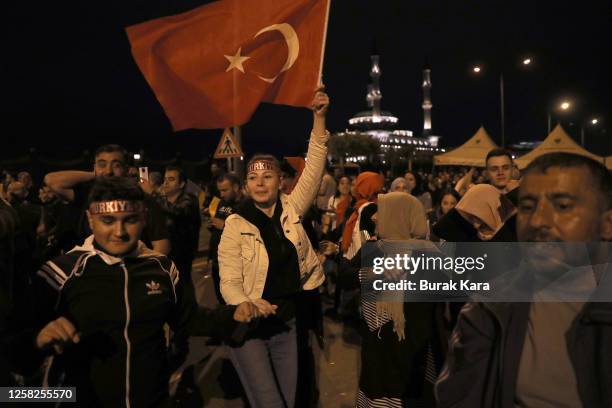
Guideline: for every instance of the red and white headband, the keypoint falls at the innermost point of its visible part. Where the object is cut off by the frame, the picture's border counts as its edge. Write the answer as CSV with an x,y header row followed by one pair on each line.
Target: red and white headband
x,y
262,165
116,206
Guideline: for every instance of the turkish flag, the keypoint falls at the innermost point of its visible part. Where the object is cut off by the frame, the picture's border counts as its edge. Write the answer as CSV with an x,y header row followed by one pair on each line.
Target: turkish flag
x,y
210,67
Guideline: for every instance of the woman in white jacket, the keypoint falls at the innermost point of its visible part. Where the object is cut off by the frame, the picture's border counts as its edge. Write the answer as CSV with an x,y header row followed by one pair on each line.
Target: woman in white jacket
x,y
265,254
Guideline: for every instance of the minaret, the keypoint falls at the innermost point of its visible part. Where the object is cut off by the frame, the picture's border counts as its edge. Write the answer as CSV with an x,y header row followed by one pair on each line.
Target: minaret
x,y
374,95
427,101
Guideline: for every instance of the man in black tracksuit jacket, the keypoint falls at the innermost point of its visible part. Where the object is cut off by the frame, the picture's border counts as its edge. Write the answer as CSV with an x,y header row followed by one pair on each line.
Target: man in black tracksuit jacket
x,y
104,304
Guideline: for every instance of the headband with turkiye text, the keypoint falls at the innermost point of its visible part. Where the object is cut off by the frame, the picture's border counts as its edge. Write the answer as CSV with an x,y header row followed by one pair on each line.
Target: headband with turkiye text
x,y
262,165
116,206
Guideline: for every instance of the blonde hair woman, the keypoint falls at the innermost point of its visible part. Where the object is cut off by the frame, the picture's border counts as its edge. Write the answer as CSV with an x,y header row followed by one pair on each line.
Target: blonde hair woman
x,y
265,257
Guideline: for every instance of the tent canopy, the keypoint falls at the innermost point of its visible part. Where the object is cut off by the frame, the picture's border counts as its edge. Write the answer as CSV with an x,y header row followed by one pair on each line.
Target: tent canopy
x,y
471,153
557,141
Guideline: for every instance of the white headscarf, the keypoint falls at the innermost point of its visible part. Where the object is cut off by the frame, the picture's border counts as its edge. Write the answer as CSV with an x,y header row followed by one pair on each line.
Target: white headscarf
x,y
400,217
489,205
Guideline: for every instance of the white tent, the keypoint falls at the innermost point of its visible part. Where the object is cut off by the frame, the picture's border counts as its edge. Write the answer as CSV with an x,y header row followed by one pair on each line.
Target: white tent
x,y
557,141
471,153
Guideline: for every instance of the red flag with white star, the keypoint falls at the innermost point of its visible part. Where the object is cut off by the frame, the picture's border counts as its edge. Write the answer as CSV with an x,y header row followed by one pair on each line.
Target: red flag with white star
x,y
212,66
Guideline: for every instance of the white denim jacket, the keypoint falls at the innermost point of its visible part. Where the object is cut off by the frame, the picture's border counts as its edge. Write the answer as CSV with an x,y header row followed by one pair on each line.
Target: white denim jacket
x,y
243,259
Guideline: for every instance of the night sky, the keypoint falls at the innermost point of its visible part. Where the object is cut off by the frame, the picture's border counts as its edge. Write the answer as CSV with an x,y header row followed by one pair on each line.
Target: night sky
x,y
67,71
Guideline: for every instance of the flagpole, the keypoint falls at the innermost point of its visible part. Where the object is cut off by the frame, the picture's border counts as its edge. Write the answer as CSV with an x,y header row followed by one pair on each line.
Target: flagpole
x,y
324,42
237,162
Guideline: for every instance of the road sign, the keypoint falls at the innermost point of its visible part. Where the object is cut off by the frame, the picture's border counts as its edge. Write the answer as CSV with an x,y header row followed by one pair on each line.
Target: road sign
x,y
228,146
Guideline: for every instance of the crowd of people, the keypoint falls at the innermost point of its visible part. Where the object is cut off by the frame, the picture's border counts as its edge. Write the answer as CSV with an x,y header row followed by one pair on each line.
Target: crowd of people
x,y
97,291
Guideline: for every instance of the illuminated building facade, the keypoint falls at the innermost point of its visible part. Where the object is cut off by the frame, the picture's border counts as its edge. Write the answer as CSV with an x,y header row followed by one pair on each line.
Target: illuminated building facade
x,y
383,126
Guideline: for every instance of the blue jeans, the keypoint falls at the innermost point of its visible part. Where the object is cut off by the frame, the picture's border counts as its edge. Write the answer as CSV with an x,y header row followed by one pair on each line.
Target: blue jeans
x,y
268,369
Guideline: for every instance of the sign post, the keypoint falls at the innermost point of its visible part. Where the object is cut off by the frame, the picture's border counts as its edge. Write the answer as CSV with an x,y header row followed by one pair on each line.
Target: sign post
x,y
228,148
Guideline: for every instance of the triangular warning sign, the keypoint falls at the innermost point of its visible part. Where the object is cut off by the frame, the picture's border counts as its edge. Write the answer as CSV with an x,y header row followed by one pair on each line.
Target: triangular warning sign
x,y
228,146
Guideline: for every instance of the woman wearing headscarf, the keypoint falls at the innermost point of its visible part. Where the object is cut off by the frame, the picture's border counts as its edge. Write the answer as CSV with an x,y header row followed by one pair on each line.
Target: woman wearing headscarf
x,y
265,254
482,214
395,333
359,226
367,186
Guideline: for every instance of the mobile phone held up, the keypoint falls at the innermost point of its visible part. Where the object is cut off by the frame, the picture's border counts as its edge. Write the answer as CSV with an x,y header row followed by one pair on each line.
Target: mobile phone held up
x,y
144,173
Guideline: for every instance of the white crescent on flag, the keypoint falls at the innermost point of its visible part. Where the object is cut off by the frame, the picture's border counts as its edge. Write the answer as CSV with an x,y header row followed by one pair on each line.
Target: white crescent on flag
x,y
293,46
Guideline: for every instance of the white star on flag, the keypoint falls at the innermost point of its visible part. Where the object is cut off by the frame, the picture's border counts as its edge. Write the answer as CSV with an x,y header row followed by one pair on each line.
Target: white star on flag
x,y
236,61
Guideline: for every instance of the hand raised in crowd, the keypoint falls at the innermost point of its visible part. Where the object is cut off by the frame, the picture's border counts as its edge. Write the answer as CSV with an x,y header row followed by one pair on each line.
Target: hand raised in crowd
x,y
58,333
146,186
465,182
320,102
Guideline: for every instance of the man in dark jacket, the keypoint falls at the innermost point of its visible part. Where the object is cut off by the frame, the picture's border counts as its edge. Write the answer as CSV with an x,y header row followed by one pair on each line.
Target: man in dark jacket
x,y
73,186
543,354
104,304
182,214
230,193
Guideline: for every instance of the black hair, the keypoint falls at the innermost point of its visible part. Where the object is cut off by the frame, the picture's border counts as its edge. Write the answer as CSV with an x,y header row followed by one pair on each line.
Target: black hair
x,y
599,174
419,188
181,174
337,193
156,178
497,153
112,148
115,188
443,194
446,192
232,178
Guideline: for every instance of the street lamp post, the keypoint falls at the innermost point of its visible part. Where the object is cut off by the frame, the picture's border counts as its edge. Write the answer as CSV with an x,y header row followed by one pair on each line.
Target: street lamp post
x,y
593,122
564,106
549,120
502,100
502,109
